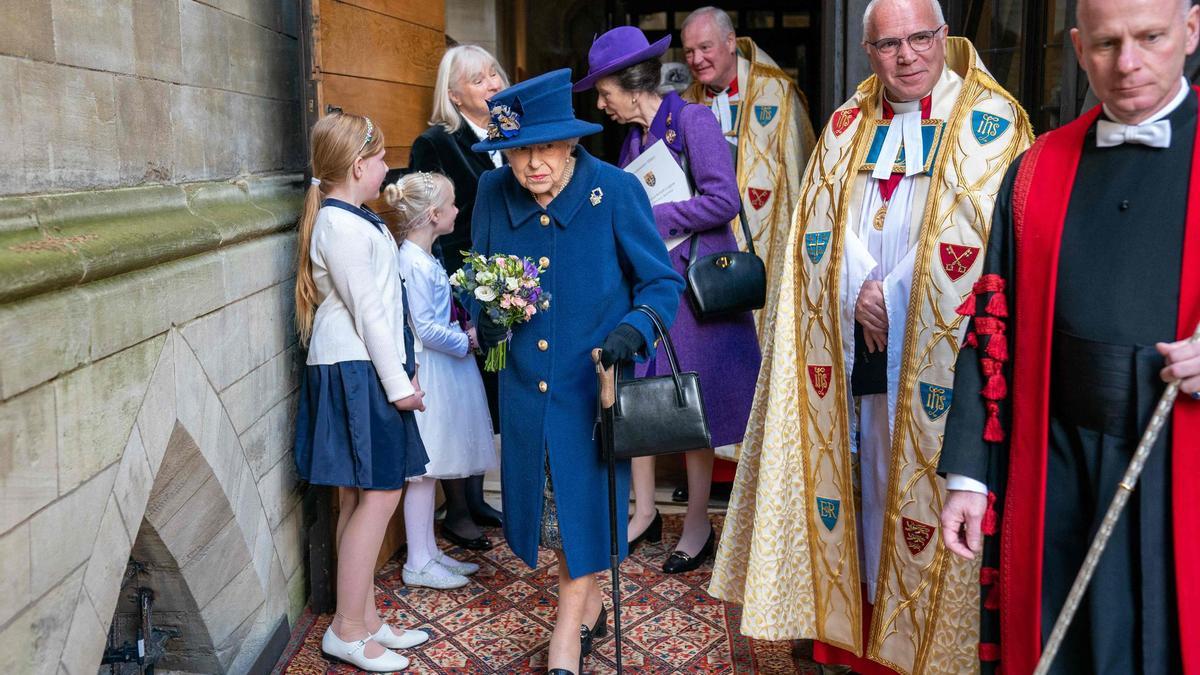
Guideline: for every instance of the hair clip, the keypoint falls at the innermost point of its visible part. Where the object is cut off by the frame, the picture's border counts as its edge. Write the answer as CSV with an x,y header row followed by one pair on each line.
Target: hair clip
x,y
428,183
370,134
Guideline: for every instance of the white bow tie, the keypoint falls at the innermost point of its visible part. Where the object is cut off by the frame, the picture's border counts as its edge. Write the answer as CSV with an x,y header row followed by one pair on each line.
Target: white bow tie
x,y
1156,134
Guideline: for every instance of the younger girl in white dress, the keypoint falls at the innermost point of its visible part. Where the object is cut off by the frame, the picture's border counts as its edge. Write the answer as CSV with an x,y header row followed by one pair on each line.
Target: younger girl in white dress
x,y
456,427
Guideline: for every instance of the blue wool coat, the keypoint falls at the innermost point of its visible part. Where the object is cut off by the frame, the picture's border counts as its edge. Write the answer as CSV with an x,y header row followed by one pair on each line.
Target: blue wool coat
x,y
604,258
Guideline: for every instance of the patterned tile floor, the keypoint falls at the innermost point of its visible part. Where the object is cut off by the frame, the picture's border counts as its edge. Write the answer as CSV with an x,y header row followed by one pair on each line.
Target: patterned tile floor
x,y
501,621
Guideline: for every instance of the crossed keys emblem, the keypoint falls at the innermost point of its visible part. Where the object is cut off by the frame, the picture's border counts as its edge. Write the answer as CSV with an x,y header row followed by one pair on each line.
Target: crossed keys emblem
x,y
957,259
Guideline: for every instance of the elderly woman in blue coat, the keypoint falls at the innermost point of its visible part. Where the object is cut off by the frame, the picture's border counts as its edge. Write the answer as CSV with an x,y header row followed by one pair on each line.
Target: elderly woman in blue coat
x,y
624,68
591,225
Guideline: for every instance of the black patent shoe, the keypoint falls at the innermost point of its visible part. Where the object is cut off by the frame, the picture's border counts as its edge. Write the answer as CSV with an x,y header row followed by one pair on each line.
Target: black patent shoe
x,y
597,630
680,495
486,516
680,562
559,671
652,533
480,543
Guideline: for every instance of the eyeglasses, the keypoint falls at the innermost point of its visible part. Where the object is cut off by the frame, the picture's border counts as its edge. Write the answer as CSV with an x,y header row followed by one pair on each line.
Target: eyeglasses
x,y
918,42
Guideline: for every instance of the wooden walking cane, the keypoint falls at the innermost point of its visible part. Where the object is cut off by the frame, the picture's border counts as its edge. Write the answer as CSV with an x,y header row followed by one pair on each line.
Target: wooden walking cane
x,y
604,420
1115,508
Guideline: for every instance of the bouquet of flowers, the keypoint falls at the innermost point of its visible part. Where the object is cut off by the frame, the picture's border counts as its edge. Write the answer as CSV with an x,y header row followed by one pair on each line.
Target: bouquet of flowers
x,y
509,290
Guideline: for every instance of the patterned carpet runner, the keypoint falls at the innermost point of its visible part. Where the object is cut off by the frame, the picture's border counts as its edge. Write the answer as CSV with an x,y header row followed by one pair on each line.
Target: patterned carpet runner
x,y
501,621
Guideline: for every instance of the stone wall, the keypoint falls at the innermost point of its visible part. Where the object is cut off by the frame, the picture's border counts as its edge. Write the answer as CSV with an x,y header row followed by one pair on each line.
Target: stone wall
x,y
107,93
149,159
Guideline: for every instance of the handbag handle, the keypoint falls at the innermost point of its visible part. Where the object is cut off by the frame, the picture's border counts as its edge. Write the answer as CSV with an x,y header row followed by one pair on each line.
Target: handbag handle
x,y
694,248
668,347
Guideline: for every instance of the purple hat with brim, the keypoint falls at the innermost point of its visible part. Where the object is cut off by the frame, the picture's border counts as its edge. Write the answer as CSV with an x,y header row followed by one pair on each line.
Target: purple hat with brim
x,y
619,48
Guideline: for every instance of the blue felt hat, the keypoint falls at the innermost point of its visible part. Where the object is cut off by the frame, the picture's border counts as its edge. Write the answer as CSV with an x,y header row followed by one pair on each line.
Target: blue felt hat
x,y
535,111
619,48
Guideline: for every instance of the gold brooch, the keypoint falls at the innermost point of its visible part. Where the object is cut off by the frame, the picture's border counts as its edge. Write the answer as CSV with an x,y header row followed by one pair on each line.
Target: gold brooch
x,y
670,135
596,196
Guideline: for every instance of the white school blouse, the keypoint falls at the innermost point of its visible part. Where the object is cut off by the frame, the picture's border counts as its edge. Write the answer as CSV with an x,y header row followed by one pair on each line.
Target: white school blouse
x,y
361,314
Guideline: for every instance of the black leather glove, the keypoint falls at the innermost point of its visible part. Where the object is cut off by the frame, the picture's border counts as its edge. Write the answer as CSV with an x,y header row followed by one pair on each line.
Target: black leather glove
x,y
490,333
621,345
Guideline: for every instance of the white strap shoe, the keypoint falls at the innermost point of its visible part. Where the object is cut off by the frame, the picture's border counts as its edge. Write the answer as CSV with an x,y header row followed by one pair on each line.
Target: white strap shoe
x,y
433,575
402,639
352,653
466,569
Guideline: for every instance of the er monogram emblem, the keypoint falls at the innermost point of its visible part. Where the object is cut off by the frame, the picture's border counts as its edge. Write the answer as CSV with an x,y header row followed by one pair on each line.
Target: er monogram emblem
x,y
828,510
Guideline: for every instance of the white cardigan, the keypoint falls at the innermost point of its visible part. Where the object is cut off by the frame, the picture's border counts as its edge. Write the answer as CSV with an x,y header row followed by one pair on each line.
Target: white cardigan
x,y
361,313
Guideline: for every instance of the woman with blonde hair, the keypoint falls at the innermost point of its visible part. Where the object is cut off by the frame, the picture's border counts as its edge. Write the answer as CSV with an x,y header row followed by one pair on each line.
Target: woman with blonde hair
x,y
355,427
467,77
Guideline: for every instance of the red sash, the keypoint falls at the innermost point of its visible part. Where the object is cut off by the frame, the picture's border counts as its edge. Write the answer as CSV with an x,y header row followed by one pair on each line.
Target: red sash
x,y
1039,209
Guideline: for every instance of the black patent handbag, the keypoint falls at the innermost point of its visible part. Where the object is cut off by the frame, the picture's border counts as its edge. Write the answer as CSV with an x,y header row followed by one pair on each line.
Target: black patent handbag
x,y
662,414
727,282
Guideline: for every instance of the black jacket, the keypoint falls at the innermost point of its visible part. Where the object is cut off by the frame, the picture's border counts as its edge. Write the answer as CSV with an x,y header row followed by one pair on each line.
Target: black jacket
x,y
451,154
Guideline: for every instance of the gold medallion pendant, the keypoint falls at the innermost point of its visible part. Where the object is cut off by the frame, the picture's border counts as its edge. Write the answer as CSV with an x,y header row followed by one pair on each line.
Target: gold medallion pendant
x,y
880,216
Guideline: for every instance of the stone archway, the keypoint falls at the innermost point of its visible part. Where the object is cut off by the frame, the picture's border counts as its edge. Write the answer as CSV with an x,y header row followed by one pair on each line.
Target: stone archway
x,y
186,502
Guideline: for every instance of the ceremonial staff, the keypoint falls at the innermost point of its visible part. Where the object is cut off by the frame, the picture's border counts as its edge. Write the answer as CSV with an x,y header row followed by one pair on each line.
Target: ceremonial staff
x,y
1124,489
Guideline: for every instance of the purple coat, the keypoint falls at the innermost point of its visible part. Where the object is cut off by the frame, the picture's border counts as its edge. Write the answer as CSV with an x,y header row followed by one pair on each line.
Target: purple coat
x,y
723,351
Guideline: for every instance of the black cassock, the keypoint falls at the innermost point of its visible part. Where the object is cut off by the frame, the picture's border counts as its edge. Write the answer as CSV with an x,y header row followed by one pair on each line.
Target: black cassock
x,y
1117,295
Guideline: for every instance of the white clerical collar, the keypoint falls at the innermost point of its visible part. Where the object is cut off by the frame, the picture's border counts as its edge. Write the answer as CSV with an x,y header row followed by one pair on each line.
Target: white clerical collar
x,y
1162,112
481,134
901,107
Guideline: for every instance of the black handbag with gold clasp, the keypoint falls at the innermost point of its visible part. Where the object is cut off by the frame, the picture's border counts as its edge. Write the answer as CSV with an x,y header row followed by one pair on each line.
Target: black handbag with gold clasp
x,y
662,414
727,282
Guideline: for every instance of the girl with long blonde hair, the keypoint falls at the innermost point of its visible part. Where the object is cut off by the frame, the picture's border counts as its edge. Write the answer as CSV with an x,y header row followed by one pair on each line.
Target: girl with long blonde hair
x,y
355,427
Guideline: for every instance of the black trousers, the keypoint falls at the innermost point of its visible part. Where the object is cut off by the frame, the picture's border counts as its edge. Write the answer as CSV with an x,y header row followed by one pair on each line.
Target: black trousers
x,y
1102,398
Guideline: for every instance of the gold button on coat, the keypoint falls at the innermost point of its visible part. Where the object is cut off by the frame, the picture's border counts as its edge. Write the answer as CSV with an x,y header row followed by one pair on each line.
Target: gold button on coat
x,y
542,386
544,262
545,220
543,345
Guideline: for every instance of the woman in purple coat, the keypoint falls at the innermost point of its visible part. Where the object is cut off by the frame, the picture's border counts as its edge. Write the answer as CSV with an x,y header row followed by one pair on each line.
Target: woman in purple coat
x,y
624,68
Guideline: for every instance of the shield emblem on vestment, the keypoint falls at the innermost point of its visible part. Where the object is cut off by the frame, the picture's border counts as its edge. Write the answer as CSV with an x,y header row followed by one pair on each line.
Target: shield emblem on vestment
x,y
758,198
765,113
820,378
987,127
828,510
815,244
935,399
916,534
842,120
957,260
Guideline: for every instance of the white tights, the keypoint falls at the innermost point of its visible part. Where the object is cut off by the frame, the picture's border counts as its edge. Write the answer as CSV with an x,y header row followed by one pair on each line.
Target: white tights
x,y
418,523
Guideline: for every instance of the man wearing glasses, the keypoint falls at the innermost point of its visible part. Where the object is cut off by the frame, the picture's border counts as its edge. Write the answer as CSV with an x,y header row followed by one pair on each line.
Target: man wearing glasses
x,y
1095,251
833,525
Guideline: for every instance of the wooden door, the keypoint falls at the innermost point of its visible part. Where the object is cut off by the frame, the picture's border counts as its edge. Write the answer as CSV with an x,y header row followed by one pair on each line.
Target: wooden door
x,y
377,58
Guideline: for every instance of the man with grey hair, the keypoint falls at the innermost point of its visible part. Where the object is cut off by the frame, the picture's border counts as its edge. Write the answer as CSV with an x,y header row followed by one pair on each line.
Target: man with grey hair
x,y
764,116
1093,274
832,527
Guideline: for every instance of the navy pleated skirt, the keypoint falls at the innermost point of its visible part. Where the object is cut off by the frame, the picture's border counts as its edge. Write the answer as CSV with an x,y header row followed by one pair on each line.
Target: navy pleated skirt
x,y
349,435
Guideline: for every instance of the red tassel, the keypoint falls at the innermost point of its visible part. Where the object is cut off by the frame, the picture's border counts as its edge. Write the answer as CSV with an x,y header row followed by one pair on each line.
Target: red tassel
x,y
988,576
996,389
988,326
990,367
989,283
998,305
988,526
967,308
971,340
993,432
997,346
989,651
